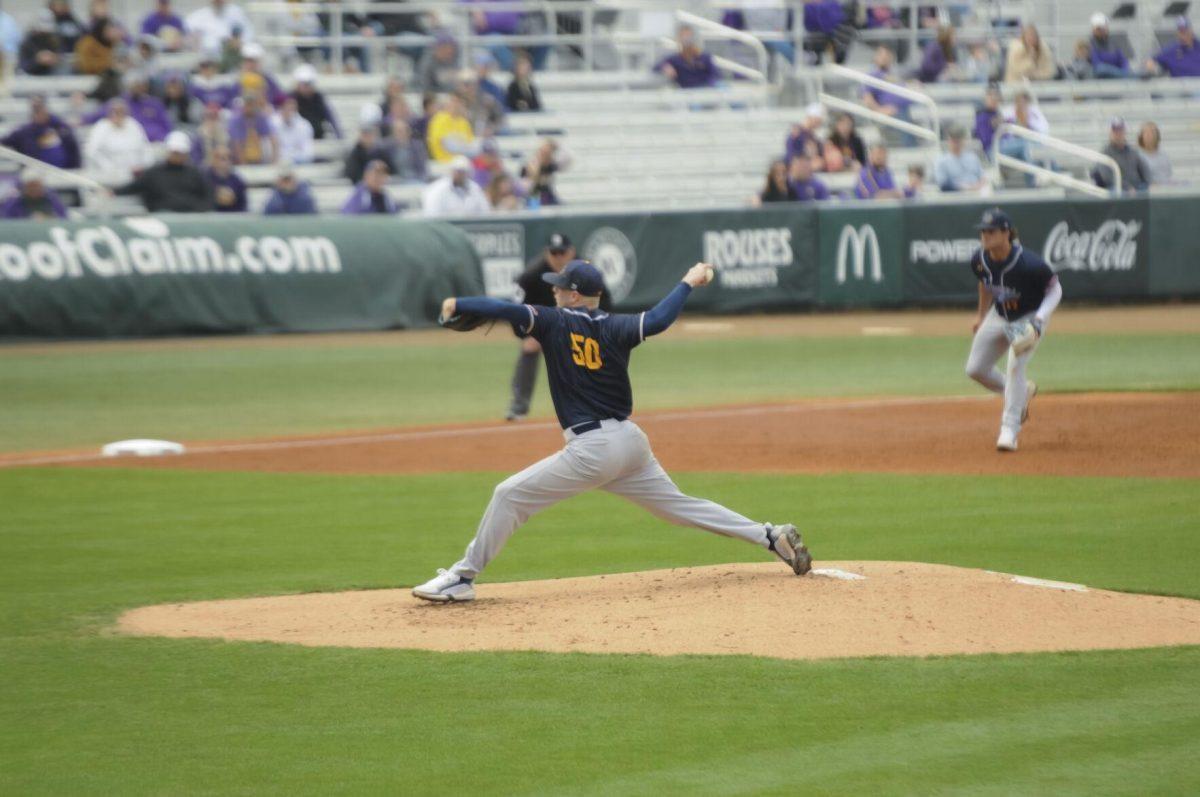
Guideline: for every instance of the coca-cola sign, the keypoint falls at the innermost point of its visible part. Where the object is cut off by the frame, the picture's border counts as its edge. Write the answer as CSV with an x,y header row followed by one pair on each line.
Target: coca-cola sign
x,y
1111,247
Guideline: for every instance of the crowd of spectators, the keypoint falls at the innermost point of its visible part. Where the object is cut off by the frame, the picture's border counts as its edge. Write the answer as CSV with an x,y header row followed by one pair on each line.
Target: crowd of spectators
x,y
233,112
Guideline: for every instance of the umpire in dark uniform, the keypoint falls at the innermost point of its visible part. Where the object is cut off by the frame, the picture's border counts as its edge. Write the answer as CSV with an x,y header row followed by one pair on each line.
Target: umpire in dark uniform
x,y
534,290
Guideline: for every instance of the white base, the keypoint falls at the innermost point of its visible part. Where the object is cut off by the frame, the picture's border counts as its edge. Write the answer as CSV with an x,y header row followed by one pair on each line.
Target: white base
x,y
141,448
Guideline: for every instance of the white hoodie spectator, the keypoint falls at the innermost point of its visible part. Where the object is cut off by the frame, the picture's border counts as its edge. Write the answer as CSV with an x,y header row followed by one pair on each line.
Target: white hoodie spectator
x,y
456,194
117,144
214,23
294,132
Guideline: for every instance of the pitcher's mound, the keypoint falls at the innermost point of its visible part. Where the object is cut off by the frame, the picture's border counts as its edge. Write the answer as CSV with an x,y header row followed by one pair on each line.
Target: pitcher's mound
x,y
894,609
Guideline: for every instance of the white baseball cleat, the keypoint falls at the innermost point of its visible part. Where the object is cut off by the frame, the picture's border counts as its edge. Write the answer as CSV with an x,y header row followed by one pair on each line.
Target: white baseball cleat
x,y
1007,441
446,587
785,543
1030,392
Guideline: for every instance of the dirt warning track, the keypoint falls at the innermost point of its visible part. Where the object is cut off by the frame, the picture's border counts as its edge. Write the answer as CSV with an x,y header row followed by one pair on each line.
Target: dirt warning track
x,y
1098,434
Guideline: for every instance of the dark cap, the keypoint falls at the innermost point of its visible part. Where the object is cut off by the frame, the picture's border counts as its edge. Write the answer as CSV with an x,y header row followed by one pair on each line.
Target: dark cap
x,y
994,219
558,241
579,275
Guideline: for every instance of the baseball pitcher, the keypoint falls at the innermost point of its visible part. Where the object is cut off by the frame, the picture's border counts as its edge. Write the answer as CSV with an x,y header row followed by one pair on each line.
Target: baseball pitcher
x,y
587,355
1017,294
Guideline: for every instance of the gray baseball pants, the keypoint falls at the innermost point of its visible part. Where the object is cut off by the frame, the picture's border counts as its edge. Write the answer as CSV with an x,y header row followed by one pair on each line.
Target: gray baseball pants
x,y
616,457
989,345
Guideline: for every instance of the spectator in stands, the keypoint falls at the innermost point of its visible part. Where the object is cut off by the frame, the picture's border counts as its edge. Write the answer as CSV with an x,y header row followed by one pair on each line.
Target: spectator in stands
x,y
408,153
165,25
988,117
916,181
804,138
456,194
1181,59
117,144
450,131
777,188
147,109
173,185
1135,172
497,23
982,64
366,150
881,100
1080,67
844,149
875,181
41,50
183,110
800,177
252,79
1029,58
1150,145
502,194
229,57
394,96
487,164
484,64
229,189
371,195
311,104
45,137
1024,113
420,126
958,168
691,67
32,199
10,38
252,140
522,95
290,196
538,173
484,112
209,26
439,66
294,132
827,29
213,132
1107,59
941,58
208,85
95,52
68,28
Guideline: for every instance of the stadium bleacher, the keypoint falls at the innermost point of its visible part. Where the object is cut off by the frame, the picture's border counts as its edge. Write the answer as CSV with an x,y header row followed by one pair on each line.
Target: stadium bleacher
x,y
638,143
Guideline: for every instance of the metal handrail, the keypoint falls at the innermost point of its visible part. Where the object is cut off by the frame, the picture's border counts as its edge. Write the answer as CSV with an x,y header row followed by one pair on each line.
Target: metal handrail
x,y
65,175
760,50
858,109
918,97
1065,180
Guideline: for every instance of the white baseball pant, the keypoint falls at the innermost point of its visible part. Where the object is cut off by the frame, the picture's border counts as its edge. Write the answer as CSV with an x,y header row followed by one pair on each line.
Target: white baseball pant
x,y
989,345
615,457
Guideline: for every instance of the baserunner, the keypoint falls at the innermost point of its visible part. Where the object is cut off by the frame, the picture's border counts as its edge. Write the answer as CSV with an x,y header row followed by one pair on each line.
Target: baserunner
x,y
587,361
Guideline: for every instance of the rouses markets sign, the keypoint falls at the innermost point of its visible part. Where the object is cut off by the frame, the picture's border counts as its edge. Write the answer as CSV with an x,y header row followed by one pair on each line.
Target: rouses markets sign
x,y
748,257
152,250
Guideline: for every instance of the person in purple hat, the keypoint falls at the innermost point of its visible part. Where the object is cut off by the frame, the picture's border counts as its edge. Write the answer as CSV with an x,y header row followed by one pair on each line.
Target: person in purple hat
x,y
32,200
45,137
1181,58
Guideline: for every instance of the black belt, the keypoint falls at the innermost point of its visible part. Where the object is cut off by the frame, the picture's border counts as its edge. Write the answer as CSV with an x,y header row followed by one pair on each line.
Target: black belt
x,y
586,426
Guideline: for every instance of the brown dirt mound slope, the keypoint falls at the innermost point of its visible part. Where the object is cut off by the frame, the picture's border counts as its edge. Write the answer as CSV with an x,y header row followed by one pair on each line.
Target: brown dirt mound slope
x,y
1119,434
898,609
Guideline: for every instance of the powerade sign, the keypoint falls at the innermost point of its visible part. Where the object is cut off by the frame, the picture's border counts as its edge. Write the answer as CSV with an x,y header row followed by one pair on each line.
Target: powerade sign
x,y
153,251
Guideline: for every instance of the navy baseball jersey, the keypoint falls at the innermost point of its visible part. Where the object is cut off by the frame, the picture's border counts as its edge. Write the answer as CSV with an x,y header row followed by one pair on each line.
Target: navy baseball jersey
x,y
587,360
1017,285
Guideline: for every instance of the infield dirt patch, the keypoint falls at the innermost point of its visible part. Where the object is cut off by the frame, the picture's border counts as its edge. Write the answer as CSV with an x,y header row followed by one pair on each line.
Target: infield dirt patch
x,y
898,609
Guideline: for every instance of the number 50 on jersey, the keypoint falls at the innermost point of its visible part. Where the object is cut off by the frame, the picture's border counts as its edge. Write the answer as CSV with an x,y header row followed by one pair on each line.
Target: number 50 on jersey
x,y
585,352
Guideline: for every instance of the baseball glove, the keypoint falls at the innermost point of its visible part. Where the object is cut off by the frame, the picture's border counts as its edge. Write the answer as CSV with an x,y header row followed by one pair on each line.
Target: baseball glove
x,y
1023,335
463,322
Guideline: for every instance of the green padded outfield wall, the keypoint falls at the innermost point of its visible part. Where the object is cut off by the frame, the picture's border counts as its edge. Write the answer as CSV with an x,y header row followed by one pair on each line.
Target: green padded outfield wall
x,y
176,275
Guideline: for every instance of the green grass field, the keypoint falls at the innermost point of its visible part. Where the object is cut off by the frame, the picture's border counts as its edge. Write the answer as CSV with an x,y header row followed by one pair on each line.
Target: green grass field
x,y
83,711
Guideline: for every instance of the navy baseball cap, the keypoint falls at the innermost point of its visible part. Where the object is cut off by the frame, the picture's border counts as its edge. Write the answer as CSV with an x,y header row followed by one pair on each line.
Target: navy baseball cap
x,y
994,219
558,242
579,275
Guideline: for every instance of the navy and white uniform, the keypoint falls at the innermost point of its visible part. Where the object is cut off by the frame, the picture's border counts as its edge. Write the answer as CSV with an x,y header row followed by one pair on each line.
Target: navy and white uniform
x,y
587,361
1023,288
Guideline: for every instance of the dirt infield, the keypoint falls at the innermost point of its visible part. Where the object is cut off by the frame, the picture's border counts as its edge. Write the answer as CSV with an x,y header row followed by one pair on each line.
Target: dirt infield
x,y
1120,434
897,609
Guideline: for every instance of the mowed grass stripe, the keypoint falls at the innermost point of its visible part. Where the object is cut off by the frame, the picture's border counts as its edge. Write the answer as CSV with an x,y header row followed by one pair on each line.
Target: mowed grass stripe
x,y
73,398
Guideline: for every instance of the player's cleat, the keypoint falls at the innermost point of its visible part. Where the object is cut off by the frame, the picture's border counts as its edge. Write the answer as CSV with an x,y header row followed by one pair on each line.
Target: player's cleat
x,y
785,542
1030,392
1007,441
446,587
515,416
